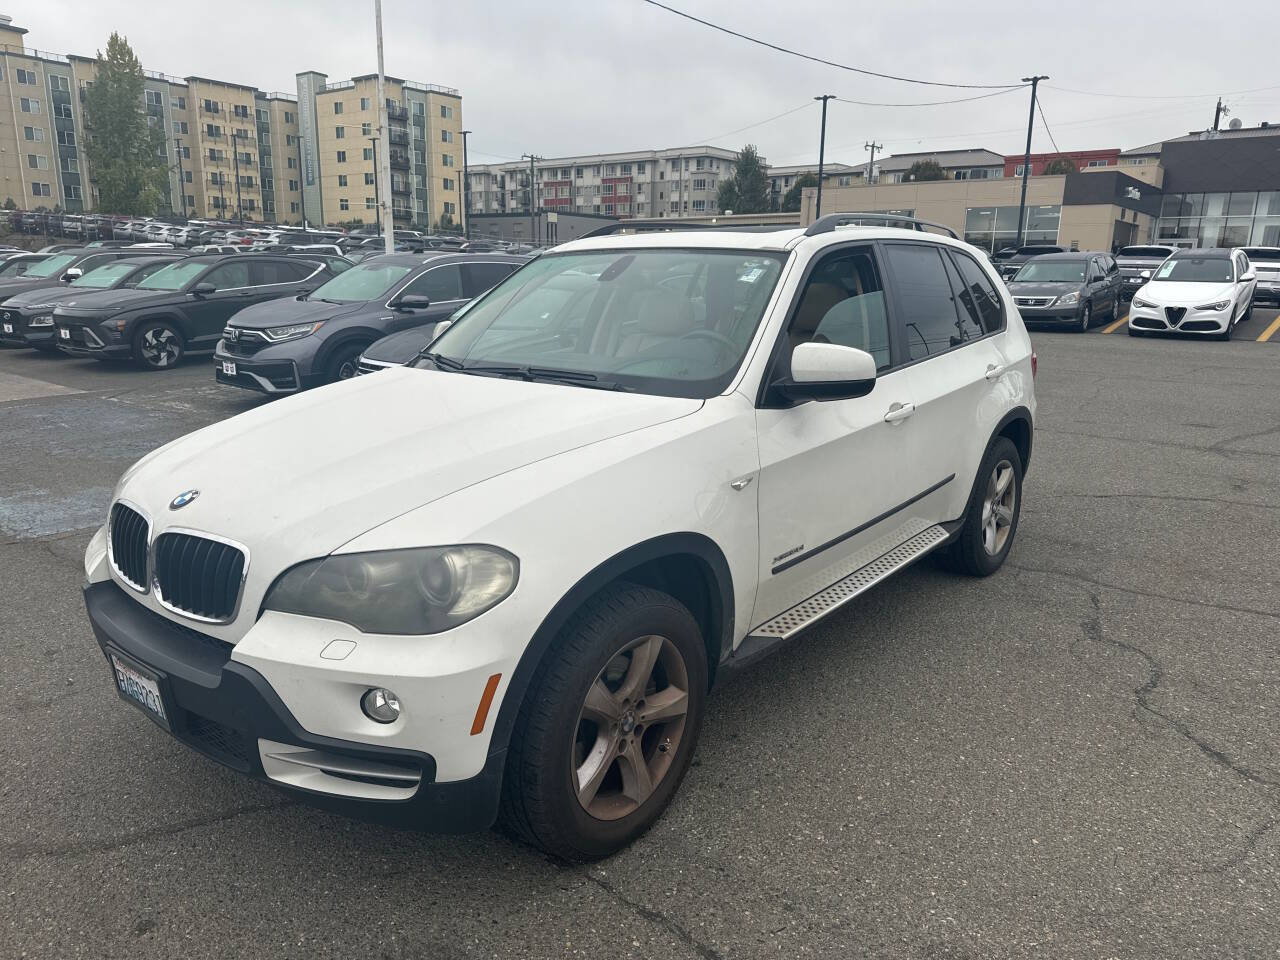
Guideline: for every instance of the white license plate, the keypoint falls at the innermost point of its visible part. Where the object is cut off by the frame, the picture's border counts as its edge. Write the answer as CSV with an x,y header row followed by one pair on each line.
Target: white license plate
x,y
228,368
8,328
64,333
140,689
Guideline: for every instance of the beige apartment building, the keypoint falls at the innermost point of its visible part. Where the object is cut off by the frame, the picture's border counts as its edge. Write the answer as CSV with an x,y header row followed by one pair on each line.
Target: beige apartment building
x,y
233,151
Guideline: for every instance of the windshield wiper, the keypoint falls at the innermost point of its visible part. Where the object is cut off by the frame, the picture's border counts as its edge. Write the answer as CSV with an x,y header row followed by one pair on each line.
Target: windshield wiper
x,y
444,363
573,378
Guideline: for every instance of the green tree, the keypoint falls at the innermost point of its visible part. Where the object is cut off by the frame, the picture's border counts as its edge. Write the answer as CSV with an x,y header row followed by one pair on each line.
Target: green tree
x,y
791,199
1060,165
747,191
122,147
9,204
926,170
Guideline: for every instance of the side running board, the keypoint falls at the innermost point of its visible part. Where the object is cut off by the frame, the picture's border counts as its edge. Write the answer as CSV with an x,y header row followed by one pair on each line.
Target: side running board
x,y
808,612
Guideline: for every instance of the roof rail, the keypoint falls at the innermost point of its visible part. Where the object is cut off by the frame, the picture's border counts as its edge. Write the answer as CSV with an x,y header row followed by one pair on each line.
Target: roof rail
x,y
834,220
644,226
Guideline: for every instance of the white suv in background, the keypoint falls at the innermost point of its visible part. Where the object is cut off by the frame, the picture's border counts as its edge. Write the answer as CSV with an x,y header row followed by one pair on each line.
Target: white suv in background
x,y
500,581
1200,291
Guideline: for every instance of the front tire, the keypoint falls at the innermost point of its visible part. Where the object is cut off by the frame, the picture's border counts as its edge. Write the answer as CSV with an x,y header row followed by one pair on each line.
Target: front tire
x,y
991,519
345,363
1086,317
608,726
158,346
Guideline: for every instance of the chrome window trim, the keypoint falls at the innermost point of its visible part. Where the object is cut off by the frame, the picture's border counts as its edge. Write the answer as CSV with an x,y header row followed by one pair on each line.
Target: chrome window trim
x,y
192,532
111,559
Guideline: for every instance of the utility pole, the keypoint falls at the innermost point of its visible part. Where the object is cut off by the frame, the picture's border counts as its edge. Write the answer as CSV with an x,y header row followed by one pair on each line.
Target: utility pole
x,y
182,182
384,171
1026,160
1218,111
302,187
822,150
235,162
377,201
871,166
533,216
466,189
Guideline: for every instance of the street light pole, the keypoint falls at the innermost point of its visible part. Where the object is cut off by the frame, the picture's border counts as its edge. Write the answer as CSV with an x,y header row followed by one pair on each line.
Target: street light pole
x,y
466,189
377,200
822,149
384,172
533,207
235,163
182,183
1026,160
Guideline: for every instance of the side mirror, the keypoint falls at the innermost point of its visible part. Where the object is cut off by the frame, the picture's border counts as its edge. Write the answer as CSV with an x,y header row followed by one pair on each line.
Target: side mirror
x,y
204,289
1145,274
828,371
440,328
412,301
75,273
1249,275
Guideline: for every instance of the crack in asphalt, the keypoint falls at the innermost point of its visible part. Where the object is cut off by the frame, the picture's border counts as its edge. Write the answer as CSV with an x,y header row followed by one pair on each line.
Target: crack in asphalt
x,y
1092,629
18,851
653,916
1251,841
1172,444
1163,496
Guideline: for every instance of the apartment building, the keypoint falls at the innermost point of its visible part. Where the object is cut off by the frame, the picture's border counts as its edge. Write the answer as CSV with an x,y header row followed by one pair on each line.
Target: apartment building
x,y
975,164
231,150
782,179
676,182
339,128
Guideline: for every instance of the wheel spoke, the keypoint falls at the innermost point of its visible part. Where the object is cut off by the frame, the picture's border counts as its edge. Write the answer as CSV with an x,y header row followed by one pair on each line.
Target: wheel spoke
x,y
666,704
601,705
1003,515
1003,477
644,656
591,774
989,537
637,781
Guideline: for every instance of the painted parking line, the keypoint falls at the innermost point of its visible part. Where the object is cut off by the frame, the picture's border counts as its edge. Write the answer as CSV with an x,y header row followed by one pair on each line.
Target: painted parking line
x,y
1270,332
1116,325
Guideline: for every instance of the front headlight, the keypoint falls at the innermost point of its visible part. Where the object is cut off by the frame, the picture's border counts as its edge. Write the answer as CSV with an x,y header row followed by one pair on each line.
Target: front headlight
x,y
1220,305
292,332
44,320
1067,299
413,591
1142,303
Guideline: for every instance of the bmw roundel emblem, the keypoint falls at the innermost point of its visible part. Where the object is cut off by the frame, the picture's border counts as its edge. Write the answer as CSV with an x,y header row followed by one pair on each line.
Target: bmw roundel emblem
x,y
182,499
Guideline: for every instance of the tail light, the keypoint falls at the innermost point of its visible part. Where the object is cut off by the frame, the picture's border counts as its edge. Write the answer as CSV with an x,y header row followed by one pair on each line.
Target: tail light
x,y
1033,364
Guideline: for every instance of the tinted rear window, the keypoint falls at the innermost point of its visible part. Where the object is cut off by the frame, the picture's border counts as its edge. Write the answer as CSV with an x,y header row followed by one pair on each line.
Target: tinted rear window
x,y
1148,252
1265,254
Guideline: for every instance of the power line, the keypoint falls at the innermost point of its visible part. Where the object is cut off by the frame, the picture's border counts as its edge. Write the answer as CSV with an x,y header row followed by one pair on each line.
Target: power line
x,y
758,123
829,63
1040,107
1136,96
931,103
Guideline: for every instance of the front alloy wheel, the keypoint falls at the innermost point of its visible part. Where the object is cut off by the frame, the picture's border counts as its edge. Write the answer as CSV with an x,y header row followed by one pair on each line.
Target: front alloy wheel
x,y
1086,318
158,346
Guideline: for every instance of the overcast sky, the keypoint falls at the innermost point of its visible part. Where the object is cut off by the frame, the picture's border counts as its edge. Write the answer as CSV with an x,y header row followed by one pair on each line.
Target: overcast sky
x,y
588,76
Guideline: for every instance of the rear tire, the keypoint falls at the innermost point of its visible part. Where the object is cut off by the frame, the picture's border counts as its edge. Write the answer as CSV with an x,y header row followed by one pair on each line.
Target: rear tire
x,y
158,346
991,519
608,725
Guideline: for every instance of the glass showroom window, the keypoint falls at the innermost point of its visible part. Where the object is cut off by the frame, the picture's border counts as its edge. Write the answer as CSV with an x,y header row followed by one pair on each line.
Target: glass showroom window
x,y
994,228
1237,219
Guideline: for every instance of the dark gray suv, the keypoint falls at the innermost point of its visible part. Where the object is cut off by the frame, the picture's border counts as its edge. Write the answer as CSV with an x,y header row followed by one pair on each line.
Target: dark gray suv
x,y
1067,288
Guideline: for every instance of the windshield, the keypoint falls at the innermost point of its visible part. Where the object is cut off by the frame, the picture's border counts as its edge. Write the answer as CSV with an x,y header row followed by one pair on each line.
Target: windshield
x,y
173,277
51,267
663,321
106,276
1196,269
17,266
1148,252
365,281
1051,271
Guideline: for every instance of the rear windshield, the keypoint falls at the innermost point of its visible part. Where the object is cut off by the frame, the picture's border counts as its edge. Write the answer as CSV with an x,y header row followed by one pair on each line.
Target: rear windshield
x,y
1033,251
1051,271
1196,269
1148,252
1265,254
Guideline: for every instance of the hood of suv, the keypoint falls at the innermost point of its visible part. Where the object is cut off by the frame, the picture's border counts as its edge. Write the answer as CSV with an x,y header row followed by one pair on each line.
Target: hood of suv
x,y
1175,293
403,346
299,477
49,291
11,288
102,303
278,313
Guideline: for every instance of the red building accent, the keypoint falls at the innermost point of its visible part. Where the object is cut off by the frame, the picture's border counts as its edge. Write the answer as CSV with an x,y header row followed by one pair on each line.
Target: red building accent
x,y
1080,158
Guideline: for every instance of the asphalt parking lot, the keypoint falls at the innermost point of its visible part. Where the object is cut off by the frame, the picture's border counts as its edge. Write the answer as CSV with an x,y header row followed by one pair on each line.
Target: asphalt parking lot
x,y
1078,757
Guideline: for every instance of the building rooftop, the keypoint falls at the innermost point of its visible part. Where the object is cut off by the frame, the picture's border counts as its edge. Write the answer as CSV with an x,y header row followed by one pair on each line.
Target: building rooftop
x,y
972,157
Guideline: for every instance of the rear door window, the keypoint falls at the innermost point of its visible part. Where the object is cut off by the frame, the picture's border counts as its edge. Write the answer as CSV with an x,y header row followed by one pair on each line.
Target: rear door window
x,y
930,321
228,276
479,277
265,272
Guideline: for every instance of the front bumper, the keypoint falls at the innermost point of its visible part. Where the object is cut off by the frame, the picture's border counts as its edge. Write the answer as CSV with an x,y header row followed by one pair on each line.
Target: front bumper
x,y
1192,321
87,340
230,712
1050,314
1268,290
16,329
259,371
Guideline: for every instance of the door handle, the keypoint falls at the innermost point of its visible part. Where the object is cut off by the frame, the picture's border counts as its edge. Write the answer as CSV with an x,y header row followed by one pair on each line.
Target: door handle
x,y
899,411
995,371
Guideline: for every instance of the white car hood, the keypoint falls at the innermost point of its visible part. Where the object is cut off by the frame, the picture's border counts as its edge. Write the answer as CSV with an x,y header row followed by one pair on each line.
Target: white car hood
x,y
299,477
1182,294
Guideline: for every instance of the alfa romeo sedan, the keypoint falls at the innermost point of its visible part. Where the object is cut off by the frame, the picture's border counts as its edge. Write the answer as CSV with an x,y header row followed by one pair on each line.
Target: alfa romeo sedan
x,y
1205,292
502,580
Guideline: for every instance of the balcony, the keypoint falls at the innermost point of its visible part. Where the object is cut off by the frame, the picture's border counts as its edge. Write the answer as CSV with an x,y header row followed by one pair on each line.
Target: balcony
x,y
397,112
399,160
401,213
399,185
400,137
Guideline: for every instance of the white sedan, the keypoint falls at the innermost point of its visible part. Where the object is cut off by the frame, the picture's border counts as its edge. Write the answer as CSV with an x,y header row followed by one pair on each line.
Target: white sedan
x,y
1196,291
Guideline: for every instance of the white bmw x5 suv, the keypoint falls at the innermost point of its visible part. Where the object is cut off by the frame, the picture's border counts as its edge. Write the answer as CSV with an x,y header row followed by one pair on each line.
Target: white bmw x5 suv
x,y
500,581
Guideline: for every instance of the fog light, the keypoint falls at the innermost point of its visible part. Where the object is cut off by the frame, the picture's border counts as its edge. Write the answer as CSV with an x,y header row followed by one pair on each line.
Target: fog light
x,y
380,705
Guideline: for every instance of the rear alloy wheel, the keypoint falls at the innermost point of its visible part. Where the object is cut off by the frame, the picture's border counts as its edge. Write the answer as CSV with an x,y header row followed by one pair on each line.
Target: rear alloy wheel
x,y
345,364
991,520
1086,317
608,726
158,346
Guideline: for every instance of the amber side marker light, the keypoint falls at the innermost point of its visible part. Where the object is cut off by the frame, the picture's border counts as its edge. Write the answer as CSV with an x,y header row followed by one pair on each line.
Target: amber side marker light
x,y
486,701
